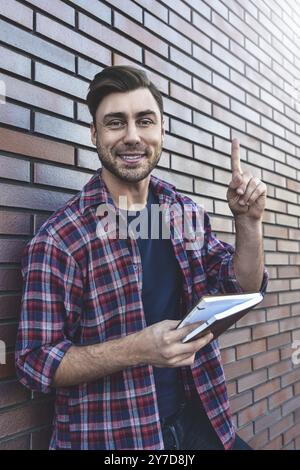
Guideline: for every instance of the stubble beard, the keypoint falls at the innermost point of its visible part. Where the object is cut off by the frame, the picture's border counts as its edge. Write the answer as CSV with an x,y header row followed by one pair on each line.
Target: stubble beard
x,y
112,163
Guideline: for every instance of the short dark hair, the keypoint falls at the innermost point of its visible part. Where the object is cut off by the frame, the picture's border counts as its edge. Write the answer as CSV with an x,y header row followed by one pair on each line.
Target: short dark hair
x,y
116,79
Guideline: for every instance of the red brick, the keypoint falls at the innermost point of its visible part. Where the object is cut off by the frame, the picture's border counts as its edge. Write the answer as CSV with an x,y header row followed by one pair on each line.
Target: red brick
x,y
12,393
24,417
275,444
237,369
17,443
228,355
291,434
291,405
281,426
287,298
243,400
262,331
250,349
7,371
234,337
9,306
278,340
252,380
11,250
17,12
280,397
10,279
246,432
29,145
280,369
277,313
14,223
40,439
264,360
267,420
266,389
250,413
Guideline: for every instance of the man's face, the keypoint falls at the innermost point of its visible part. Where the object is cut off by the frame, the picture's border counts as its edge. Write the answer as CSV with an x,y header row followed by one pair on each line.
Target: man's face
x,y
128,134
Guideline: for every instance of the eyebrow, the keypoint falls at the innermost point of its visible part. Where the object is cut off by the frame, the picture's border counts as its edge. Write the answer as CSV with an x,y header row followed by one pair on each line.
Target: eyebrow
x,y
124,115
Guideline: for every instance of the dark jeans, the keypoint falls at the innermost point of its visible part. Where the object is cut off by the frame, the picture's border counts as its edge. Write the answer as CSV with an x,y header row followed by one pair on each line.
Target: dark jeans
x,y
190,429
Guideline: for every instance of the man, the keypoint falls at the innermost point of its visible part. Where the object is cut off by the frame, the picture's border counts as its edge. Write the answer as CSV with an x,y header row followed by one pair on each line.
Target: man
x,y
99,312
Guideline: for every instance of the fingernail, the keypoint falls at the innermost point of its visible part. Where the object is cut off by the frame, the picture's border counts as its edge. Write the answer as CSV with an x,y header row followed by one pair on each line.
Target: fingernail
x,y
242,203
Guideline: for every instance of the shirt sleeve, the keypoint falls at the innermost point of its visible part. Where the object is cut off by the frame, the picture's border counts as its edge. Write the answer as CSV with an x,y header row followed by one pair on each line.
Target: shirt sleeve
x,y
50,311
221,277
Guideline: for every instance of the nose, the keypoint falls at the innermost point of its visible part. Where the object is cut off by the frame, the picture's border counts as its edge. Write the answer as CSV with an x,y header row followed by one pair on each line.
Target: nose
x,y
132,135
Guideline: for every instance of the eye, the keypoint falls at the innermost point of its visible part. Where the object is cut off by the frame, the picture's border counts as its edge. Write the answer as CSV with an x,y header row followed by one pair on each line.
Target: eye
x,y
145,122
115,124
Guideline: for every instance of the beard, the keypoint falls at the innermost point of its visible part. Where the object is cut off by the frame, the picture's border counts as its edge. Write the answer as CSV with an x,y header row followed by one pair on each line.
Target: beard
x,y
112,162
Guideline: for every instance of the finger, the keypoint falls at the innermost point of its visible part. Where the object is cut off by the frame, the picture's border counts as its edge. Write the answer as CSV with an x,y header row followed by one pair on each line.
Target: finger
x,y
257,193
235,157
241,188
251,187
181,333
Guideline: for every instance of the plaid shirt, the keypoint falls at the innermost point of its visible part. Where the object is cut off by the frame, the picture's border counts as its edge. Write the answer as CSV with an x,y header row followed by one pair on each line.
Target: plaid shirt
x,y
81,289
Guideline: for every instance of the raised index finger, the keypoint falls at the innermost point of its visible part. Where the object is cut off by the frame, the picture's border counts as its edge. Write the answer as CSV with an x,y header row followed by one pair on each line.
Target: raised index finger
x,y
235,157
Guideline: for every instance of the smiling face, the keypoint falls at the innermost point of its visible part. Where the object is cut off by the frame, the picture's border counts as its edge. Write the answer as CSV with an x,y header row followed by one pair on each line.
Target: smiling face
x,y
128,134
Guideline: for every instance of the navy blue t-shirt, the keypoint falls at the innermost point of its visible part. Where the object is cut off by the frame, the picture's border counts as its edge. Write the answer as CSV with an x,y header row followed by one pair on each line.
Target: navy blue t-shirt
x,y
161,294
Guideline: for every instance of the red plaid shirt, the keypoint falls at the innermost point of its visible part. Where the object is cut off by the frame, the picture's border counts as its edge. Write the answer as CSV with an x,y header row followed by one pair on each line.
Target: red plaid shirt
x,y
80,289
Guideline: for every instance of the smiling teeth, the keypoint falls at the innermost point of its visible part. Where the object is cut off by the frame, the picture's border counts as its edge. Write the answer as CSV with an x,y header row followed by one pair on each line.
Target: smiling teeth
x,y
131,157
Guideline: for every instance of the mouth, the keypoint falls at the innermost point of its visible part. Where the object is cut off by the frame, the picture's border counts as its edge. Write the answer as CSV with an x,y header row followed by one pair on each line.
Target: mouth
x,y
131,158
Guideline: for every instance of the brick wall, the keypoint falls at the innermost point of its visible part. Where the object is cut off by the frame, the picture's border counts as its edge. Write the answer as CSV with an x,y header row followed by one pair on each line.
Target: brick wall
x,y
227,69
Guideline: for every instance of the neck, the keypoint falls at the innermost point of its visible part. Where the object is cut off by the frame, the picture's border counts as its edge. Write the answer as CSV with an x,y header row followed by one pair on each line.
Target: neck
x,y
126,195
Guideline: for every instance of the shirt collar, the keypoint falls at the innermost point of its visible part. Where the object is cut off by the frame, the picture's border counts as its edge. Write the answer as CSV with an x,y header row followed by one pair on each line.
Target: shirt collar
x,y
95,192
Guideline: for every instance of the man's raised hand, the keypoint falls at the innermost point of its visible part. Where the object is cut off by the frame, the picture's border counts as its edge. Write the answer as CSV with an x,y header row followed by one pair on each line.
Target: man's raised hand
x,y
246,194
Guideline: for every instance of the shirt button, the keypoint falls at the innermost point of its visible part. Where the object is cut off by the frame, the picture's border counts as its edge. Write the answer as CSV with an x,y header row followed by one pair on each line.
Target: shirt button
x,y
135,267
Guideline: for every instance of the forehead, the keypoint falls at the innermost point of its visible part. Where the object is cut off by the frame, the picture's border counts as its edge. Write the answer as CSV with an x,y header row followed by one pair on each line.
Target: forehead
x,y
129,103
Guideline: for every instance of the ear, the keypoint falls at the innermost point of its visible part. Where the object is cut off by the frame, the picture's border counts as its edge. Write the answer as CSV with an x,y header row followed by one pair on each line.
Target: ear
x,y
163,131
93,133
